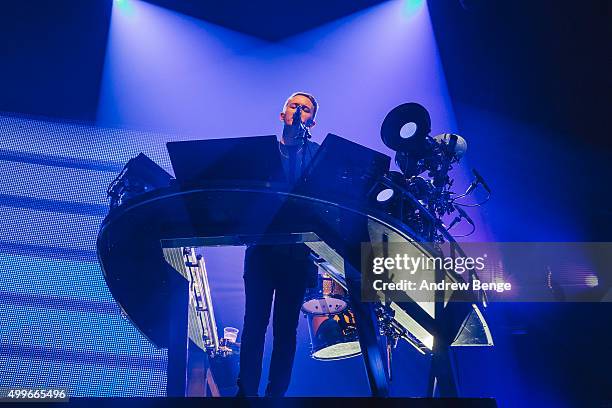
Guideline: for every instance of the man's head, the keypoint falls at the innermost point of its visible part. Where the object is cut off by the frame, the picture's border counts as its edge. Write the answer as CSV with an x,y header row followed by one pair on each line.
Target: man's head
x,y
309,108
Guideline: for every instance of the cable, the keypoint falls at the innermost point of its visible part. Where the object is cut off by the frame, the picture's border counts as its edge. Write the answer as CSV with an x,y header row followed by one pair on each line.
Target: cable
x,y
465,235
472,205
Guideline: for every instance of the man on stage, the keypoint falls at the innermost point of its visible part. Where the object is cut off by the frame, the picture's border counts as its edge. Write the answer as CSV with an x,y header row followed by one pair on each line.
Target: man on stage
x,y
279,272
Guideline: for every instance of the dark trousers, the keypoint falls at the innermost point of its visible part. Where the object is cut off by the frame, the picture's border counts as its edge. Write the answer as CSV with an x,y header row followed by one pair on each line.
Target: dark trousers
x,y
269,276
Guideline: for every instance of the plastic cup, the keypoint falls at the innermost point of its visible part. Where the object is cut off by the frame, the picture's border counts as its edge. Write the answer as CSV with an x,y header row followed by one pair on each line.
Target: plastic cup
x,y
230,334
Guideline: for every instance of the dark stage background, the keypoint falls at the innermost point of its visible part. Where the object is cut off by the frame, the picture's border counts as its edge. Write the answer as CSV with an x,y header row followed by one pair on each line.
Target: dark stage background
x,y
84,86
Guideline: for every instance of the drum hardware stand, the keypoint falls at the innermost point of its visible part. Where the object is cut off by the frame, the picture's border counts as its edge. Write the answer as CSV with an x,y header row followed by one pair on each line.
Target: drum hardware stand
x,y
442,379
385,328
393,331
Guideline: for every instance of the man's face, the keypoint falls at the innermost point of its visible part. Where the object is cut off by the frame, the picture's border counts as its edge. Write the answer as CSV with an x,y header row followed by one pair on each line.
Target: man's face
x,y
307,110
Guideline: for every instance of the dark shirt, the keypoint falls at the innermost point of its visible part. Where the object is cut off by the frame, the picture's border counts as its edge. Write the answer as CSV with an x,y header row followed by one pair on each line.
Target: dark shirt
x,y
287,256
295,159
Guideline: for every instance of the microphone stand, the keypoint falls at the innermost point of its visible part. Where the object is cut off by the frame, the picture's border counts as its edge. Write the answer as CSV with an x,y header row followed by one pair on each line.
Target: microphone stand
x,y
439,203
440,178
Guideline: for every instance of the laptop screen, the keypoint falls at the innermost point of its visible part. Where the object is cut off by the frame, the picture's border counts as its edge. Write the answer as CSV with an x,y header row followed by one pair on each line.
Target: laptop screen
x,y
242,159
344,170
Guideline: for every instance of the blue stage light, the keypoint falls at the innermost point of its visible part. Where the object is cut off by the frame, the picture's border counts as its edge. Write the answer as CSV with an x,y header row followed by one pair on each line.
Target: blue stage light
x,y
411,7
384,195
122,4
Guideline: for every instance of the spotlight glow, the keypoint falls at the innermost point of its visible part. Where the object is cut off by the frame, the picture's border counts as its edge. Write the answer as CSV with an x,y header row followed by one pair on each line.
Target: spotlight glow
x,y
591,281
412,7
123,5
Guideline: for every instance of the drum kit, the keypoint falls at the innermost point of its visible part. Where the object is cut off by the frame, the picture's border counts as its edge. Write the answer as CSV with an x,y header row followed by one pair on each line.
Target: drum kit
x,y
331,323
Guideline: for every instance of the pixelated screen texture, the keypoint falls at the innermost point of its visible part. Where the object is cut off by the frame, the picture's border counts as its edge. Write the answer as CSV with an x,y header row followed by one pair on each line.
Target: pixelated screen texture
x,y
59,325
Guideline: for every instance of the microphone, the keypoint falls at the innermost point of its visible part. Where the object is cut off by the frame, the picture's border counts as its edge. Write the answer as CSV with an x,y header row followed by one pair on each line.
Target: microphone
x,y
480,180
297,116
475,183
300,129
452,224
460,146
464,215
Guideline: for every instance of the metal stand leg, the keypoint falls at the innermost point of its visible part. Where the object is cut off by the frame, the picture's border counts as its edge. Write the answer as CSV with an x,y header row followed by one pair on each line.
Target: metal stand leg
x,y
391,343
366,329
197,371
442,375
178,335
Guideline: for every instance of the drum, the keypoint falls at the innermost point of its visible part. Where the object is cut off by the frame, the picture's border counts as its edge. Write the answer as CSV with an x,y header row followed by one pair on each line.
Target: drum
x,y
328,297
333,336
